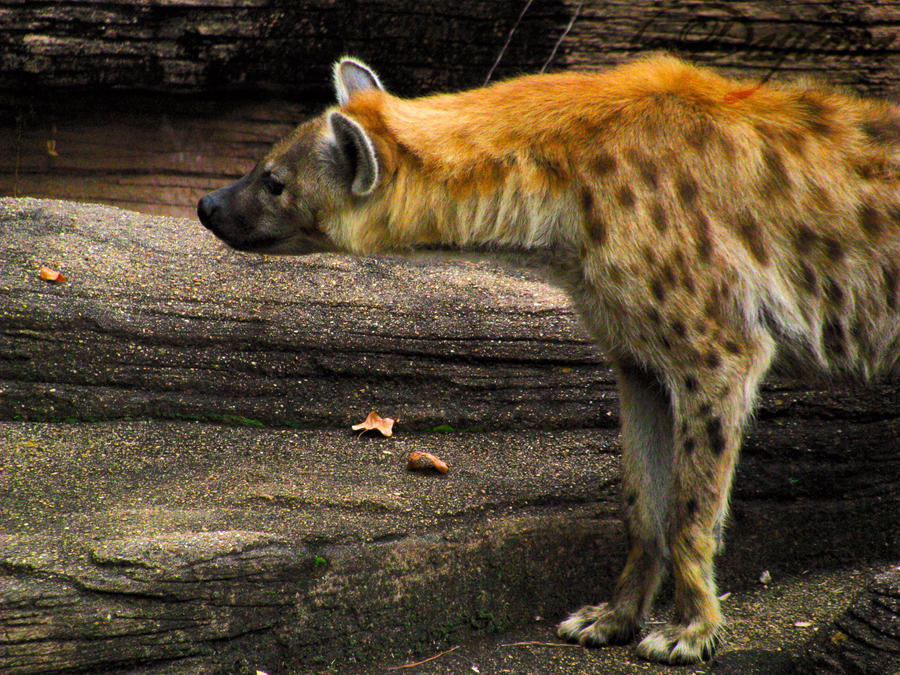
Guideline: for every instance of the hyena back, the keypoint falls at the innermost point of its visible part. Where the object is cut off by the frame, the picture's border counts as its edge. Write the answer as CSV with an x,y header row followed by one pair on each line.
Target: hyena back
x,y
698,224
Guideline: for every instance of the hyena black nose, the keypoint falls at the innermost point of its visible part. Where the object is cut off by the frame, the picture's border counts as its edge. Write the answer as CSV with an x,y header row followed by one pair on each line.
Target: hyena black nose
x,y
206,207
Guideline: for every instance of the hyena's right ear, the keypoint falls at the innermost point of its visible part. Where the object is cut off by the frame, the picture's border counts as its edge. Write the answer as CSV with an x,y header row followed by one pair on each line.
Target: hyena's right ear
x,y
354,153
351,76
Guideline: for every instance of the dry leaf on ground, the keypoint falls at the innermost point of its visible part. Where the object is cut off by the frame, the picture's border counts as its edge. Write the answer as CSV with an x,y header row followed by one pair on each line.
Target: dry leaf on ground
x,y
374,421
424,461
53,276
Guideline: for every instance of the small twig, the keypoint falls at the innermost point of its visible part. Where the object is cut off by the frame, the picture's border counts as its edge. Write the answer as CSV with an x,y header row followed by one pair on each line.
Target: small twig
x,y
515,28
541,644
563,36
508,40
419,663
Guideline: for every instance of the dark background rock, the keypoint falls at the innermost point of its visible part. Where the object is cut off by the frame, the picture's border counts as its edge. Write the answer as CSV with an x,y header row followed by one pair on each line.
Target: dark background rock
x,y
150,105
866,637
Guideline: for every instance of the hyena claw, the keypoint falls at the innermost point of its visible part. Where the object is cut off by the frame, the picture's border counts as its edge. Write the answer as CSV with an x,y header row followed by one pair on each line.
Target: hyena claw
x,y
679,645
595,626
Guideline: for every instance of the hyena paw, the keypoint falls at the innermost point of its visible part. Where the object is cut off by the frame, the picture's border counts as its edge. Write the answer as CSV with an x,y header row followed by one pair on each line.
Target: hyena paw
x,y
681,644
595,626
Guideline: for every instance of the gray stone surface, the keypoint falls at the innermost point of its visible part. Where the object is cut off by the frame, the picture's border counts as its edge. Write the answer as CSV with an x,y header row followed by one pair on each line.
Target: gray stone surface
x,y
182,493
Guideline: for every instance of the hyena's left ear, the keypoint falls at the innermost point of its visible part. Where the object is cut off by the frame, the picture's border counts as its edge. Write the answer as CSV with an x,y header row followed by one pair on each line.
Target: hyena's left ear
x,y
351,76
354,153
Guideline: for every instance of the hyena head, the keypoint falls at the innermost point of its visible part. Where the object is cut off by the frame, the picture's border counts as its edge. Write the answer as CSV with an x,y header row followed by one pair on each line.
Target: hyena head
x,y
292,200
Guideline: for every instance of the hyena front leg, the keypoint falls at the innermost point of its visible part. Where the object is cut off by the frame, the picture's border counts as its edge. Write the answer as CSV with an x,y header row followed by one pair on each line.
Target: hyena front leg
x,y
709,414
647,453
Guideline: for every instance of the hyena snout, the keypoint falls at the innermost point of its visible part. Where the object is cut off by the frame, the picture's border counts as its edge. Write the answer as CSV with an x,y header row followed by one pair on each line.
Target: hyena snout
x,y
214,210
225,213
206,211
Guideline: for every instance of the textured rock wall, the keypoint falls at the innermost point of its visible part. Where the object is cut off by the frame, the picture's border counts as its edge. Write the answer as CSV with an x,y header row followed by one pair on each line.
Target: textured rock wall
x,y
150,105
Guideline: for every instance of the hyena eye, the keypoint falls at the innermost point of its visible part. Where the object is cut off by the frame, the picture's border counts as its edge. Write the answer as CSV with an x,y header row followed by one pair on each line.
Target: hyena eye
x,y
272,185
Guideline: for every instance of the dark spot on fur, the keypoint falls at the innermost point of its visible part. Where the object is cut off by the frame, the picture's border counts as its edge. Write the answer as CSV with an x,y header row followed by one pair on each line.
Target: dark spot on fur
x,y
664,341
793,141
603,164
653,316
680,264
775,179
834,337
656,287
625,195
597,228
594,224
805,239
716,439
702,131
712,360
691,507
632,498
833,291
808,279
658,216
815,114
704,241
885,131
687,189
833,249
689,445
732,347
753,237
587,200
704,410
691,383
870,219
668,275
649,255
679,329
865,171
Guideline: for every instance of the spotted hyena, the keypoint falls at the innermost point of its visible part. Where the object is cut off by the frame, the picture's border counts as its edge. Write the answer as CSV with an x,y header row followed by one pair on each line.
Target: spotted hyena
x,y
700,225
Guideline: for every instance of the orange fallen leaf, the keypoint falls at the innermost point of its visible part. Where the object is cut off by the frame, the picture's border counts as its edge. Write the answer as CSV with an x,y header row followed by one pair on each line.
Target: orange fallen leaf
x,y
423,461
374,421
52,275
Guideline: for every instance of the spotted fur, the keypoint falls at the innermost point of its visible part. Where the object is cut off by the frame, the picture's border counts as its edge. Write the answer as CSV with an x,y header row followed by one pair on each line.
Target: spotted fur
x,y
702,226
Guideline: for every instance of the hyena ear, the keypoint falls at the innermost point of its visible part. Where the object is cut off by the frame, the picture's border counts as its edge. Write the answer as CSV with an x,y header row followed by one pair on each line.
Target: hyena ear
x,y
355,153
351,76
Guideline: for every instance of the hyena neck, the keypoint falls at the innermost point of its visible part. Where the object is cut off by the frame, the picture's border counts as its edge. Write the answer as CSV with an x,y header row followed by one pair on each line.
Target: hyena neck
x,y
447,189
